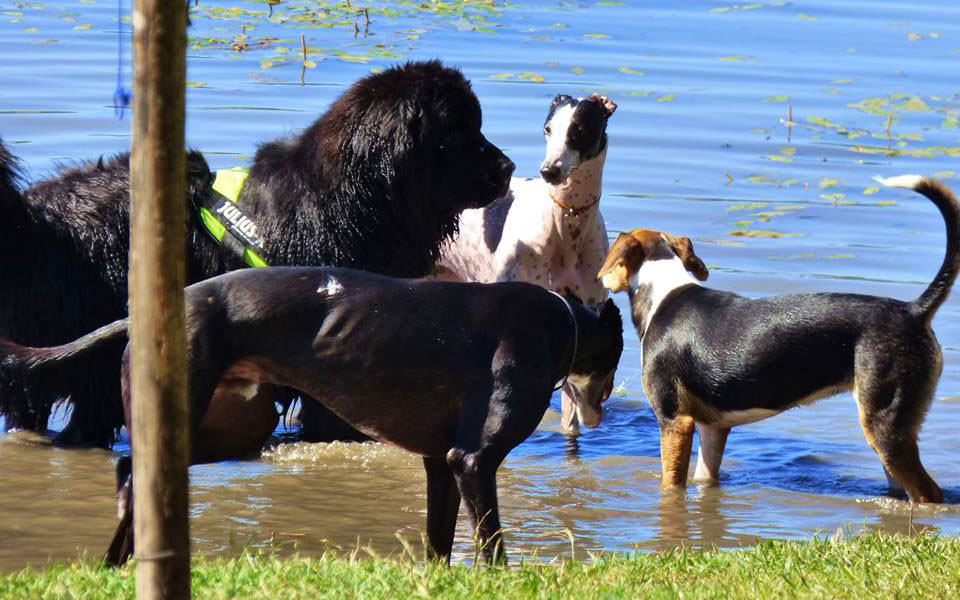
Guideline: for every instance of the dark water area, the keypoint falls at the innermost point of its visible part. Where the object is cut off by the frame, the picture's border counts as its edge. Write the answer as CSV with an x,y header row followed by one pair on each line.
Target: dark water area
x,y
754,129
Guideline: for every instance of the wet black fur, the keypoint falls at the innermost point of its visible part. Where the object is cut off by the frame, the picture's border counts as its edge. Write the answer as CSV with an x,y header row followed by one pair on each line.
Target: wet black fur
x,y
375,183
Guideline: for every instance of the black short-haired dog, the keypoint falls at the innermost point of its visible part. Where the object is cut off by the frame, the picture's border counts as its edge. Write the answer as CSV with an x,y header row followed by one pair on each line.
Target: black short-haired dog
x,y
459,373
376,183
715,359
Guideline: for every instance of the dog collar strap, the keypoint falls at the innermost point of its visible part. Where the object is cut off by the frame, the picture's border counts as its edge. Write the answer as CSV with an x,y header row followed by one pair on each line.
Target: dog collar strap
x,y
227,223
575,211
576,338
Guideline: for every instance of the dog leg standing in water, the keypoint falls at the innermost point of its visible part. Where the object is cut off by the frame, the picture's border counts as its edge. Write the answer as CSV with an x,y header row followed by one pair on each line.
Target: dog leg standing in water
x,y
458,373
547,231
716,359
375,183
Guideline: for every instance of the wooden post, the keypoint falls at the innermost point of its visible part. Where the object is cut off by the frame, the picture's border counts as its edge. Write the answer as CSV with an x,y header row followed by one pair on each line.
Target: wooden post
x,y
159,435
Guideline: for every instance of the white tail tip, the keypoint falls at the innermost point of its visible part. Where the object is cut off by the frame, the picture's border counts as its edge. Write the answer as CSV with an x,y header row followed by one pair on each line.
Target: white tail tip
x,y
907,182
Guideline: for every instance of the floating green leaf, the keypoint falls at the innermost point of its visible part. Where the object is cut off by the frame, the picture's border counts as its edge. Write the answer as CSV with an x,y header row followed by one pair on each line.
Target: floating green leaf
x,y
767,215
596,36
83,27
944,174
762,234
871,191
788,150
754,206
669,98
773,99
950,123
352,58
501,76
577,70
630,71
531,77
826,182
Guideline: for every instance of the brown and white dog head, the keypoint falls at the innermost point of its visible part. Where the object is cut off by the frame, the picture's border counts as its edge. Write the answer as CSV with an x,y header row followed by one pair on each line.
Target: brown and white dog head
x,y
648,265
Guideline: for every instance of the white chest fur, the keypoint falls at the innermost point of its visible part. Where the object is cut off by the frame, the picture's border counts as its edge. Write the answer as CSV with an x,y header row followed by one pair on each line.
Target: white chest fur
x,y
657,278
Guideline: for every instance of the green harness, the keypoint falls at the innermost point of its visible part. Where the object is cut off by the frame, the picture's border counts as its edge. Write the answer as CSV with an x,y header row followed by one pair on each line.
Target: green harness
x,y
226,222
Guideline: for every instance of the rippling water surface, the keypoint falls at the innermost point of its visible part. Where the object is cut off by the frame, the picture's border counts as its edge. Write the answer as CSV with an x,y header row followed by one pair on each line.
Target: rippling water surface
x,y
753,129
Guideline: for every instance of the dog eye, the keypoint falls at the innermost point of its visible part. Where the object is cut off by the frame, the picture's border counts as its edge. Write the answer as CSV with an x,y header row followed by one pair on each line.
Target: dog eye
x,y
546,130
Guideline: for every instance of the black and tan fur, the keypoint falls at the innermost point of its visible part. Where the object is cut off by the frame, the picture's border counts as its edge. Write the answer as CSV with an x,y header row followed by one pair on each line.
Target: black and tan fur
x,y
716,359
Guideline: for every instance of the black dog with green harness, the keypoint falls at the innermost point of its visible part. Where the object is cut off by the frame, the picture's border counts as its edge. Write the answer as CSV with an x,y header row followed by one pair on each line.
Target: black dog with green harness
x,y
376,183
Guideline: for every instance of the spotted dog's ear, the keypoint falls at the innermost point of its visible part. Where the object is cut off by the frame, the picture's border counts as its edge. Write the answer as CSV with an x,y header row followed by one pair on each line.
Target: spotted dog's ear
x,y
625,257
683,247
560,98
609,106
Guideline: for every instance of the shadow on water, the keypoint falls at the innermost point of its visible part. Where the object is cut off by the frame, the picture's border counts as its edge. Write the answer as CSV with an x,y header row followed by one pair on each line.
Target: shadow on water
x,y
700,146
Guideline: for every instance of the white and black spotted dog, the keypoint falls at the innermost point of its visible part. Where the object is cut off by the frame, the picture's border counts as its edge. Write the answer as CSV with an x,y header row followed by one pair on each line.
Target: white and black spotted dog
x,y
547,230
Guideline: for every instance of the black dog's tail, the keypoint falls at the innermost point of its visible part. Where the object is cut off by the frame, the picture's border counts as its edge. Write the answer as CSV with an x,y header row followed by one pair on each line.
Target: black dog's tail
x,y
930,300
55,370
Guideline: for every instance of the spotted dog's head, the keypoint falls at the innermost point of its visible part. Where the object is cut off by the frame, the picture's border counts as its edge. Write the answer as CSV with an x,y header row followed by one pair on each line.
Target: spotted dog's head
x,y
576,132
591,375
649,265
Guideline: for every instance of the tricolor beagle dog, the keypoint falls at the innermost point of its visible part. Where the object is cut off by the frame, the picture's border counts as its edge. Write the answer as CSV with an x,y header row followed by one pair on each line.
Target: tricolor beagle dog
x,y
715,359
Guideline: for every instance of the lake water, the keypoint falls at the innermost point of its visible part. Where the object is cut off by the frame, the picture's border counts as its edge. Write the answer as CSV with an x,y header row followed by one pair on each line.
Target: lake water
x,y
754,129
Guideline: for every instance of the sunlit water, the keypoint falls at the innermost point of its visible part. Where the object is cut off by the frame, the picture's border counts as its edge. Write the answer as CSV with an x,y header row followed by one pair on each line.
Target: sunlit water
x,y
701,145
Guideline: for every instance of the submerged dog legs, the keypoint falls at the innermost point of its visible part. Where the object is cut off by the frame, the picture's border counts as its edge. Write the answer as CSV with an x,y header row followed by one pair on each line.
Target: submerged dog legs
x,y
894,439
443,504
676,442
712,442
478,486
568,412
121,547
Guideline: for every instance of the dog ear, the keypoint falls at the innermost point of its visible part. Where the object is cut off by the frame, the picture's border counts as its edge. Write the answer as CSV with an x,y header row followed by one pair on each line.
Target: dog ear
x,y
560,98
624,258
684,249
609,106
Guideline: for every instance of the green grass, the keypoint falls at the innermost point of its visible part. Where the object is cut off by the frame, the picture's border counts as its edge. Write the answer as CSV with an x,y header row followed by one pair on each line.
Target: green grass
x,y
872,567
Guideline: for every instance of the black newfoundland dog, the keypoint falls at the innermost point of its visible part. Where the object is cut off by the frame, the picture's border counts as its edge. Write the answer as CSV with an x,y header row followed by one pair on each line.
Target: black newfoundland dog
x,y
376,183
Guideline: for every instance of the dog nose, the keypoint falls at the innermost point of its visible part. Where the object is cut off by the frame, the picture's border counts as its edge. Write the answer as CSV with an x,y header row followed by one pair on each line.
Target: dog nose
x,y
550,174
